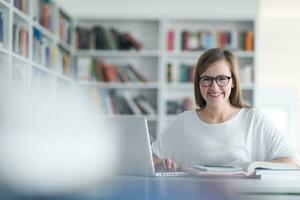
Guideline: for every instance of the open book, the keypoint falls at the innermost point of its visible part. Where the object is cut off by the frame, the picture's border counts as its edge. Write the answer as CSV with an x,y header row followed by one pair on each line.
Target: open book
x,y
238,169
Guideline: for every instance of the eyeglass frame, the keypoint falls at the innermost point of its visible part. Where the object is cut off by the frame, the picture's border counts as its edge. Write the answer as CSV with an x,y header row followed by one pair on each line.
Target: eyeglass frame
x,y
214,79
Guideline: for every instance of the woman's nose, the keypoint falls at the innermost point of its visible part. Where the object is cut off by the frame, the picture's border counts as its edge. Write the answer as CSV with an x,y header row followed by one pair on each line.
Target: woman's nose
x,y
214,84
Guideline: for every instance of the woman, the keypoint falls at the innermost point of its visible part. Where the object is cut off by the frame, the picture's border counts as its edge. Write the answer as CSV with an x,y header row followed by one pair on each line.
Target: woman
x,y
222,129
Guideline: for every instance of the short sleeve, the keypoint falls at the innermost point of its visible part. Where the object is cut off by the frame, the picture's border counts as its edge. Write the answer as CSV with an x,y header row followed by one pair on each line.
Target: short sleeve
x,y
277,144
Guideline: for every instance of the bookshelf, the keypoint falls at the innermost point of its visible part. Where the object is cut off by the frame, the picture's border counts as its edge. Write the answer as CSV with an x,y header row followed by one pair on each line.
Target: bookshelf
x,y
145,72
134,64
35,45
165,63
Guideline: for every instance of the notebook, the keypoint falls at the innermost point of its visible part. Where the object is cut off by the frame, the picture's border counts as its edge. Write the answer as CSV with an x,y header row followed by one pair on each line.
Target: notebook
x,y
134,149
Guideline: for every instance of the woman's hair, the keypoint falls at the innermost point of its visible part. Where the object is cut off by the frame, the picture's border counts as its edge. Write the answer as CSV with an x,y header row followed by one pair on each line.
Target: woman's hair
x,y
206,59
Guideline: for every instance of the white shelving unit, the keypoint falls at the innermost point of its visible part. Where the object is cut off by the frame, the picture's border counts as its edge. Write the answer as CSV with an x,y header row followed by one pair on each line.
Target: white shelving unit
x,y
21,70
28,70
153,58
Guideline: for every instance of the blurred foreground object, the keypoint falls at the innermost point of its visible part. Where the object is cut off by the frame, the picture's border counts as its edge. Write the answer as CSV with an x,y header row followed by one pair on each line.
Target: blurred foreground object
x,y
51,144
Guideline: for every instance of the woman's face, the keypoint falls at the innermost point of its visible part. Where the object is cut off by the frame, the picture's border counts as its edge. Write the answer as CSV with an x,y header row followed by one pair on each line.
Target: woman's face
x,y
216,95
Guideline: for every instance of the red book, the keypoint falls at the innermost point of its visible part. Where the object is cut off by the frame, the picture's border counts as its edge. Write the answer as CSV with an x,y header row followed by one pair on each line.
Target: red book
x,y
222,39
136,44
111,73
23,42
45,16
170,40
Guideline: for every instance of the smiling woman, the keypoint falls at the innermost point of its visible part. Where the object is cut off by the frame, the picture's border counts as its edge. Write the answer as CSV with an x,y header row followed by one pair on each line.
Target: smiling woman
x,y
222,129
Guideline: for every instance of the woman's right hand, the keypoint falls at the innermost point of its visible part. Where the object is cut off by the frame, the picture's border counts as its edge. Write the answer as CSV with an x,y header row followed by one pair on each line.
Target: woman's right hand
x,y
169,164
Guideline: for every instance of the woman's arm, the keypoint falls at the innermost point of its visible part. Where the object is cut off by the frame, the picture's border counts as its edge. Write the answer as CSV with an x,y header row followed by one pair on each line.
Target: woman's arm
x,y
285,160
156,159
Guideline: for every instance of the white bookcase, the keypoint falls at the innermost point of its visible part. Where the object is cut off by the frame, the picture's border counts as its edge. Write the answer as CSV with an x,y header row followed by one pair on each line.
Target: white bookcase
x,y
28,67
18,51
153,58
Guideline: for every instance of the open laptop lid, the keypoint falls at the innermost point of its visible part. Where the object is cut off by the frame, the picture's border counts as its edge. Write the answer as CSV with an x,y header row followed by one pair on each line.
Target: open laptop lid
x,y
134,150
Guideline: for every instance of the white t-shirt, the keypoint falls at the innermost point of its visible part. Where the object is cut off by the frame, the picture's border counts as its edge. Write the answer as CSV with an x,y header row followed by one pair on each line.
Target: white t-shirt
x,y
249,136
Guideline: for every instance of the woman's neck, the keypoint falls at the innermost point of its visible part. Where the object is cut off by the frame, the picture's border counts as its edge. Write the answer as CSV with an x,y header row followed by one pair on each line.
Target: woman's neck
x,y
218,114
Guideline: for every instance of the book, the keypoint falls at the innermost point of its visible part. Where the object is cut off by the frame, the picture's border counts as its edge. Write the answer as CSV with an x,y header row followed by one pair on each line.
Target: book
x,y
244,169
266,174
251,167
1,29
170,40
217,174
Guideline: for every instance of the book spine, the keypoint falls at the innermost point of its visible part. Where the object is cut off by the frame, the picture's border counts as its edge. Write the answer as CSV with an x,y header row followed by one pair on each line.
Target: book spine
x,y
1,29
169,72
170,40
249,41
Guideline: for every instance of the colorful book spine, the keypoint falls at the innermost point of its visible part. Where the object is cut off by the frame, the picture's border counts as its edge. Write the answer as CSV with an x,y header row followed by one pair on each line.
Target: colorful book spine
x,y
170,40
20,40
101,38
232,40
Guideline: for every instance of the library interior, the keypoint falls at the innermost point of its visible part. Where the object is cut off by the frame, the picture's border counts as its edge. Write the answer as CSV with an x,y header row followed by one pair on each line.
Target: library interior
x,y
98,94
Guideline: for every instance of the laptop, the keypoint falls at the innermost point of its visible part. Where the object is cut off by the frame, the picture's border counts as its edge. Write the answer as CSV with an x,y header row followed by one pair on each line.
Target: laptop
x,y
135,154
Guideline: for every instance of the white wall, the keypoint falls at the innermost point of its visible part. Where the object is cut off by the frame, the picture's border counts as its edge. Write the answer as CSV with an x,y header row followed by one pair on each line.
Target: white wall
x,y
157,8
278,63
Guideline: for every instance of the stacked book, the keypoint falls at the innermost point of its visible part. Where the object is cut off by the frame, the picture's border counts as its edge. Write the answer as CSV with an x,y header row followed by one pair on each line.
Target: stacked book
x,y
42,13
99,70
101,38
123,103
184,73
206,39
245,169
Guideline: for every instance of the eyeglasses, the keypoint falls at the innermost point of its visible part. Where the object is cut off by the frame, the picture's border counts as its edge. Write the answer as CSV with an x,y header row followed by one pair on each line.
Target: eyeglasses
x,y
207,81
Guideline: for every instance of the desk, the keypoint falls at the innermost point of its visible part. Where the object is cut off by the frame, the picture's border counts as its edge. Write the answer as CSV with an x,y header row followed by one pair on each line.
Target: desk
x,y
190,188
185,188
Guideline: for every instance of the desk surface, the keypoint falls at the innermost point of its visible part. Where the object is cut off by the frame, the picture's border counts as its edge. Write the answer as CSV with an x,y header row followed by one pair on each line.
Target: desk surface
x,y
191,188
179,188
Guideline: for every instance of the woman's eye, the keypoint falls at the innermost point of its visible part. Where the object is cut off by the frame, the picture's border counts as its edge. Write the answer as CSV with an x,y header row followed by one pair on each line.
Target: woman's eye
x,y
206,79
222,78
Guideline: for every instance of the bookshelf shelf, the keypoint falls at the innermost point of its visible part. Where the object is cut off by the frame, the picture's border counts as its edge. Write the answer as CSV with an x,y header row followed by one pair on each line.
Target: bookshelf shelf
x,y
148,117
45,31
5,4
44,69
20,58
117,53
196,54
21,15
120,85
64,78
51,72
179,86
4,50
65,46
